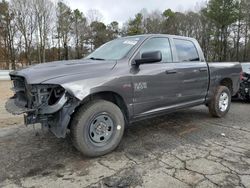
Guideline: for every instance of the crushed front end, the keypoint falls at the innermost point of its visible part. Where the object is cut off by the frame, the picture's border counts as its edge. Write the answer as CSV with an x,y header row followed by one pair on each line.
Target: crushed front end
x,y
47,104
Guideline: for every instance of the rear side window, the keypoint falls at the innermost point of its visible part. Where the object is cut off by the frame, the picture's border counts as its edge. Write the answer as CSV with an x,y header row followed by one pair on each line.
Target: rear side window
x,y
186,50
158,44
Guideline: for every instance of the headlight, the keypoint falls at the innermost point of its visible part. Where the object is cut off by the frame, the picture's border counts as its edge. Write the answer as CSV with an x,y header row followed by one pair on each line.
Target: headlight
x,y
56,94
47,94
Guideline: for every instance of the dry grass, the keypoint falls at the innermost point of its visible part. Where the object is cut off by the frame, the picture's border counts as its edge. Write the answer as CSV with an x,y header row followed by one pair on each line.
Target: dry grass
x,y
6,119
5,91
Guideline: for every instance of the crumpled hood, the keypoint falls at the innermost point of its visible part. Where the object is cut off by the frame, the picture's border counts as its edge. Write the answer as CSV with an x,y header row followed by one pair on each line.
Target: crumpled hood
x,y
47,71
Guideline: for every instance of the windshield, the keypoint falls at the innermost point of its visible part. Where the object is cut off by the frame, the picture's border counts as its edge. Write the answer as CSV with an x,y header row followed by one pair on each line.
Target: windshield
x,y
114,50
246,67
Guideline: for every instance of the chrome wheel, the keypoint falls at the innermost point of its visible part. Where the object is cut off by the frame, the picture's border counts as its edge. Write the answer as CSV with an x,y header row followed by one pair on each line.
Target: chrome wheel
x,y
223,102
101,129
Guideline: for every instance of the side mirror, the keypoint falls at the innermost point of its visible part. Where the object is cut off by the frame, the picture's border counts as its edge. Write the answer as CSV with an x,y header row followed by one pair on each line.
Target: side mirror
x,y
148,58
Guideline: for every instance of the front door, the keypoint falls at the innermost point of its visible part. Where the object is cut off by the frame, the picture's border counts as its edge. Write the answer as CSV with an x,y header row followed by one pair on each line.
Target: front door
x,y
155,85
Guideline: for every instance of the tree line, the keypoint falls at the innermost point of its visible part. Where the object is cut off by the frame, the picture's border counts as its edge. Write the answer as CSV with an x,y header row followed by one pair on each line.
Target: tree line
x,y
37,31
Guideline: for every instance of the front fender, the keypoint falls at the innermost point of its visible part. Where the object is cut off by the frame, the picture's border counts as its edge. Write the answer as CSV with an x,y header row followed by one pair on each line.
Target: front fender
x,y
84,88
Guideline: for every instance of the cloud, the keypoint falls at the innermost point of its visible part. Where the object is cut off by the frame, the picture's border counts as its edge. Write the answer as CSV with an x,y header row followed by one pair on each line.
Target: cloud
x,y
123,9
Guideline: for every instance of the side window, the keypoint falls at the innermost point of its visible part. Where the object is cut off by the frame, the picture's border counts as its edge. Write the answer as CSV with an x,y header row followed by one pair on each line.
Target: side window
x,y
186,50
158,44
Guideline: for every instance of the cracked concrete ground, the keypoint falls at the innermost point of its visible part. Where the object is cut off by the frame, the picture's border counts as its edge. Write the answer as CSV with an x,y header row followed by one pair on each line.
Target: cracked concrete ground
x,y
183,149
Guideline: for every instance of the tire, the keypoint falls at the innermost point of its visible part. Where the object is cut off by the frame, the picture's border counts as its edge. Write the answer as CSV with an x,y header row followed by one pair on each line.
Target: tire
x,y
217,108
97,128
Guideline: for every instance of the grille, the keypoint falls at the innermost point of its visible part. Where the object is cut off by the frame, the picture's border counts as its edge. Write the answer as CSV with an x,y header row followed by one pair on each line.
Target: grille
x,y
19,83
19,87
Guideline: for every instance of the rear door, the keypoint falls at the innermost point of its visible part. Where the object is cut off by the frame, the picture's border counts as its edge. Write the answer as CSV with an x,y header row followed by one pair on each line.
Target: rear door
x,y
192,71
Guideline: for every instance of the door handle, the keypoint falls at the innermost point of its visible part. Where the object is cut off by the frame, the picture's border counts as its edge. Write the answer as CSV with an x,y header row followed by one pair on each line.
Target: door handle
x,y
171,71
203,69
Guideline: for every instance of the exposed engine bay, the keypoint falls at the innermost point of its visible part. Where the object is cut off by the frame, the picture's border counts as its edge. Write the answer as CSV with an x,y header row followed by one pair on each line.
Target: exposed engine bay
x,y
49,105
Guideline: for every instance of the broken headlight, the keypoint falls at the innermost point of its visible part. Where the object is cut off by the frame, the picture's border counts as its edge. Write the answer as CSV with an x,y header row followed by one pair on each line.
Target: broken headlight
x,y
47,94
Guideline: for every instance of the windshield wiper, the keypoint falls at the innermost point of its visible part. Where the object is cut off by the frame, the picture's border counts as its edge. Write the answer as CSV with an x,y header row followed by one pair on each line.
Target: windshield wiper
x,y
98,59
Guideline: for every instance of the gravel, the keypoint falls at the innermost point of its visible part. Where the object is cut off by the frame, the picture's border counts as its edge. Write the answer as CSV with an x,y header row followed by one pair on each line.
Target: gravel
x,y
184,149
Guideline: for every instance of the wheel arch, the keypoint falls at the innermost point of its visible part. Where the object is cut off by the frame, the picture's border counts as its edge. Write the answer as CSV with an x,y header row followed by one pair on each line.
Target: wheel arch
x,y
111,97
228,83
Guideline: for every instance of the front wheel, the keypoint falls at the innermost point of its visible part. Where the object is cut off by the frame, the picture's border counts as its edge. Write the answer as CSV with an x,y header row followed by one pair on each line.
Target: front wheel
x,y
97,128
220,102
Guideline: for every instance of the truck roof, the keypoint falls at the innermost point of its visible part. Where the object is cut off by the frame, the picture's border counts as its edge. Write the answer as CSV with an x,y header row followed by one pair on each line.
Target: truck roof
x,y
160,35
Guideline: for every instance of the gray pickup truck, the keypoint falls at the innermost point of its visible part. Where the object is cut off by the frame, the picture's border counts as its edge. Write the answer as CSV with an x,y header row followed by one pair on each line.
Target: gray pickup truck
x,y
123,81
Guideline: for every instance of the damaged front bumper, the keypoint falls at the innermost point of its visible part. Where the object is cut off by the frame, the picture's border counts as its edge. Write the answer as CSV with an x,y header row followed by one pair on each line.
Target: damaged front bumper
x,y
38,107
56,118
14,109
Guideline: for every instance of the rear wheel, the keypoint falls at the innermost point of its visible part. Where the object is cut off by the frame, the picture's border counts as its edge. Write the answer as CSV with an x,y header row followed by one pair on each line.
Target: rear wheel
x,y
221,102
97,128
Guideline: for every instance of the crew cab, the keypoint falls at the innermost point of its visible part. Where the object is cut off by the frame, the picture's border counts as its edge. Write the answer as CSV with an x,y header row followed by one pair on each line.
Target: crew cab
x,y
123,81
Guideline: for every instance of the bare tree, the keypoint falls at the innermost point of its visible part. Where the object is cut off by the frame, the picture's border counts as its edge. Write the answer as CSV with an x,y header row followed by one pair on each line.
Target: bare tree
x,y
39,30
9,30
64,24
246,14
79,28
26,23
43,13
153,22
94,15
